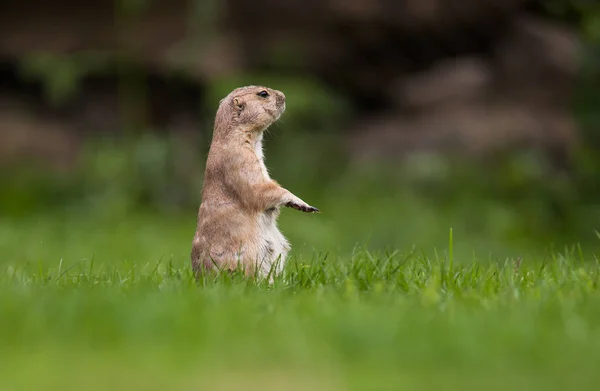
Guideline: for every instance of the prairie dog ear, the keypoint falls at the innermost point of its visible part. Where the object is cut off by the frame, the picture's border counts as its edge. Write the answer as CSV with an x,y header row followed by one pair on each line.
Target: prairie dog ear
x,y
238,104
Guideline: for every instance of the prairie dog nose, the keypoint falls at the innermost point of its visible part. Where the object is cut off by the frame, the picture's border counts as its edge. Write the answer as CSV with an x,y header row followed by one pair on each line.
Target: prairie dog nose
x,y
280,97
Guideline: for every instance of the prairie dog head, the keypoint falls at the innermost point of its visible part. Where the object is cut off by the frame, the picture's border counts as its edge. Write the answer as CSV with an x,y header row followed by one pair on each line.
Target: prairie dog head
x,y
251,108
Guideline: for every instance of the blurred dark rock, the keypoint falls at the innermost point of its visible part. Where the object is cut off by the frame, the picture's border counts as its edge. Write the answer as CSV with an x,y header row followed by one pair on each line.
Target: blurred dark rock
x,y
35,137
476,129
518,95
537,61
448,81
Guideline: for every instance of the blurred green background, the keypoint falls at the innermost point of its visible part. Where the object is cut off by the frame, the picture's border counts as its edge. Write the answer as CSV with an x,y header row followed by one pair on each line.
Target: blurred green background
x,y
404,120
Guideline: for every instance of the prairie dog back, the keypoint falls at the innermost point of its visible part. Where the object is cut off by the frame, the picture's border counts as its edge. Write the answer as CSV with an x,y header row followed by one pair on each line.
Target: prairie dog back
x,y
237,218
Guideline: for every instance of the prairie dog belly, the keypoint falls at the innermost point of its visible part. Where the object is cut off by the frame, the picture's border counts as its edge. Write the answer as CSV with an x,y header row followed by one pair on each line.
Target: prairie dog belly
x,y
273,246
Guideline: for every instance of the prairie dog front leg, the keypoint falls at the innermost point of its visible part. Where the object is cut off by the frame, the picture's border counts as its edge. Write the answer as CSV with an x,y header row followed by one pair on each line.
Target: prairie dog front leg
x,y
271,194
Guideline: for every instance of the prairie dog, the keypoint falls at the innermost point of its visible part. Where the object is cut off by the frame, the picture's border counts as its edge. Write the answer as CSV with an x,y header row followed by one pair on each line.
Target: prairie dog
x,y
237,218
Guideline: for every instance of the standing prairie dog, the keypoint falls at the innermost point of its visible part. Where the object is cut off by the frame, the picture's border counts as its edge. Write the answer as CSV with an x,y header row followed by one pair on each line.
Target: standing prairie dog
x,y
237,218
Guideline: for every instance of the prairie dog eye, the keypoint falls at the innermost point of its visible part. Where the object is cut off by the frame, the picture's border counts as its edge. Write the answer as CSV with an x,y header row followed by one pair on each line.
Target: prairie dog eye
x,y
263,94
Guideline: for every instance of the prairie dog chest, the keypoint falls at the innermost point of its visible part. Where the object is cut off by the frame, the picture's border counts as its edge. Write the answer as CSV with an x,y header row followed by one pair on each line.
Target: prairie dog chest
x,y
258,150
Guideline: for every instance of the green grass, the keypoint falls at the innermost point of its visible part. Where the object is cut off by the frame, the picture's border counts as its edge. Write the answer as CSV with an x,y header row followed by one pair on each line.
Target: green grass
x,y
83,306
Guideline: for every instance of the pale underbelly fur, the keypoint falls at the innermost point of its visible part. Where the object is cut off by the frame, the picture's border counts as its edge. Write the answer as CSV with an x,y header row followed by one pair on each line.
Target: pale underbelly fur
x,y
273,246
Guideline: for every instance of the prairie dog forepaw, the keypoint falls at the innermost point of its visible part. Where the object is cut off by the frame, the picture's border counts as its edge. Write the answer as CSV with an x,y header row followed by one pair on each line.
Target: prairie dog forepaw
x,y
312,209
302,207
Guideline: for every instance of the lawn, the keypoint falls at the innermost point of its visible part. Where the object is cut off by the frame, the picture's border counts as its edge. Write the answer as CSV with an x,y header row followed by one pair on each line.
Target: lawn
x,y
89,305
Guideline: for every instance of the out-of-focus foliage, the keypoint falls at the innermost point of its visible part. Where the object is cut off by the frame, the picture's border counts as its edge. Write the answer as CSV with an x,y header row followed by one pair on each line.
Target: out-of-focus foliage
x,y
60,75
515,197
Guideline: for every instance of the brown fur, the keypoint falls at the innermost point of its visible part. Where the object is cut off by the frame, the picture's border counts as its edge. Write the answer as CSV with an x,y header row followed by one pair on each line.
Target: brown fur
x,y
240,202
